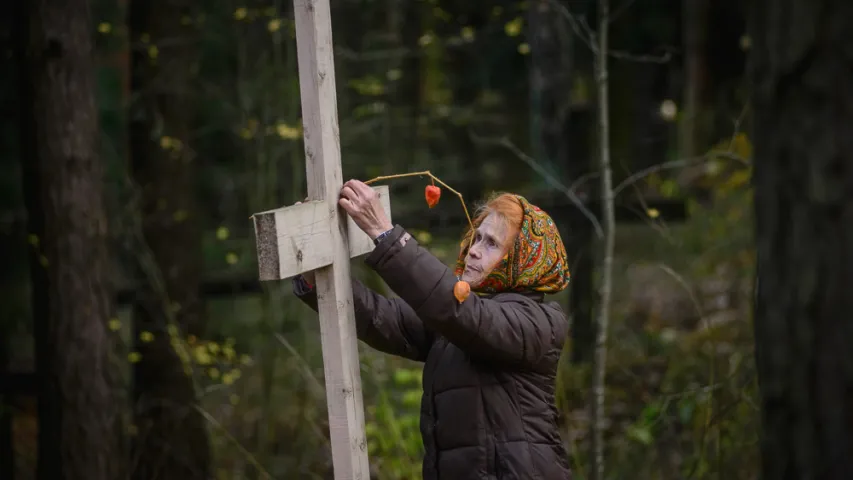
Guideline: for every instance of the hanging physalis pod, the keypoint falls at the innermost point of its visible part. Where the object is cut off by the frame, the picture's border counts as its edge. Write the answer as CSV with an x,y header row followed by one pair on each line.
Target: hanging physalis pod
x,y
432,194
461,290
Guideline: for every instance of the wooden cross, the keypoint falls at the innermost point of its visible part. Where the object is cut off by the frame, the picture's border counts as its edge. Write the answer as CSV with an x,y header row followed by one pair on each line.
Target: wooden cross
x,y
318,235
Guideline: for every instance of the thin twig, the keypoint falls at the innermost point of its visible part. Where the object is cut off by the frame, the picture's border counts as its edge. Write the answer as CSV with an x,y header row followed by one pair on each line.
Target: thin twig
x,y
434,179
261,471
588,38
684,162
318,387
569,193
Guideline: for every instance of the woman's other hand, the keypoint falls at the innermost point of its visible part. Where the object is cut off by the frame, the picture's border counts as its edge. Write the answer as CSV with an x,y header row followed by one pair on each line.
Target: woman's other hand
x,y
362,204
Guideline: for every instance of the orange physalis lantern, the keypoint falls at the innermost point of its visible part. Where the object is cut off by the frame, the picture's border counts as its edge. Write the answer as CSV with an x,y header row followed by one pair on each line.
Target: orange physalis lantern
x,y
461,290
432,194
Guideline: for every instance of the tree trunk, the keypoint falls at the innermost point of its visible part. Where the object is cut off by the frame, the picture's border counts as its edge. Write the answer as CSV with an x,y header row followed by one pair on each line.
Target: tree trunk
x,y
694,121
802,77
609,226
172,442
63,183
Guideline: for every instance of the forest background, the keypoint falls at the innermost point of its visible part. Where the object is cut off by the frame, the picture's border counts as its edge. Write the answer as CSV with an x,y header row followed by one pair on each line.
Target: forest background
x,y
198,115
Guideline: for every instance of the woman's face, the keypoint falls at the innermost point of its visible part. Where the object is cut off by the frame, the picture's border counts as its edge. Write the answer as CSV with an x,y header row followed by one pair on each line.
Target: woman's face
x,y
489,247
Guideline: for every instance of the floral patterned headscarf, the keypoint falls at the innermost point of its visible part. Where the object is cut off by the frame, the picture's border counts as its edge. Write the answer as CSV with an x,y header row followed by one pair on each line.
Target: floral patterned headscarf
x,y
535,262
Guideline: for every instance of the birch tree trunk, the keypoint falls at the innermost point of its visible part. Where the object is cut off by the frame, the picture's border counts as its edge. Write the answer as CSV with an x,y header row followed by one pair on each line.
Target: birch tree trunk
x,y
609,226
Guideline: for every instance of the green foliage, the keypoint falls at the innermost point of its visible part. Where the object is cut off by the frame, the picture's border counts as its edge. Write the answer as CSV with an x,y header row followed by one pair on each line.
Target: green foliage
x,y
682,398
393,429
414,80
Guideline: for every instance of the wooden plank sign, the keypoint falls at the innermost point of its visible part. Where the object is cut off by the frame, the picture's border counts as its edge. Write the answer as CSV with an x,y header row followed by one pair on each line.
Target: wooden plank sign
x,y
298,239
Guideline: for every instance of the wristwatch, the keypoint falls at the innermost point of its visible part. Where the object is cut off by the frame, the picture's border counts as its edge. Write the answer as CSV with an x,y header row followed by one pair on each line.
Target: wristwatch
x,y
381,236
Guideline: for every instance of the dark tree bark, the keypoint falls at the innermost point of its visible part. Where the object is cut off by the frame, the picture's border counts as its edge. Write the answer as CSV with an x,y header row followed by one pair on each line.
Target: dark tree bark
x,y
172,442
695,36
802,75
63,183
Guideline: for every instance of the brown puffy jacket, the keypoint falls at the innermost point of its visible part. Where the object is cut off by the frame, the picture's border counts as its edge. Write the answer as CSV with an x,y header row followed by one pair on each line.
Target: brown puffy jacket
x,y
487,410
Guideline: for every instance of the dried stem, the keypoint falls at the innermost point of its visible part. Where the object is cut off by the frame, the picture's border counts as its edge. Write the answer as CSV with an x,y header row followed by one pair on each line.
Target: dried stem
x,y
434,179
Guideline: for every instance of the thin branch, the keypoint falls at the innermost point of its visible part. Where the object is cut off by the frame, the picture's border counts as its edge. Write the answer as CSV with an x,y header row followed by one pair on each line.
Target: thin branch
x,y
306,371
635,177
261,471
435,179
618,11
684,162
530,161
586,35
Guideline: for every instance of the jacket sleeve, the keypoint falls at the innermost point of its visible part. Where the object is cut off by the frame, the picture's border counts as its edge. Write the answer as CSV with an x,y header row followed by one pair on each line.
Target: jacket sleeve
x,y
386,324
514,330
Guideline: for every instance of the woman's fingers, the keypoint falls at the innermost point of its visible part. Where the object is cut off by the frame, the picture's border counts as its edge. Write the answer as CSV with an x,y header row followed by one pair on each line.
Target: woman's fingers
x,y
348,193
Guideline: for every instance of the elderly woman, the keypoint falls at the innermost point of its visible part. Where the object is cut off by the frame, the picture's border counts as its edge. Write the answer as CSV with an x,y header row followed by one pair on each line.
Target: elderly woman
x,y
487,410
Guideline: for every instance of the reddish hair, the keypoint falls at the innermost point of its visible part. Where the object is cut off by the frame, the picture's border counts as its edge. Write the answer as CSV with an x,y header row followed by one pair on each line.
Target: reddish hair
x,y
508,209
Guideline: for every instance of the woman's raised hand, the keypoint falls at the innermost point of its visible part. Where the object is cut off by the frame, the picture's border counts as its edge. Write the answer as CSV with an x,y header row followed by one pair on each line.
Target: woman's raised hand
x,y
362,204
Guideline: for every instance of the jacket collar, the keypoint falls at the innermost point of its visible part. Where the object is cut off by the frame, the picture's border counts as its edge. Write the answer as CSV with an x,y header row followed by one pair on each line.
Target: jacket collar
x,y
536,296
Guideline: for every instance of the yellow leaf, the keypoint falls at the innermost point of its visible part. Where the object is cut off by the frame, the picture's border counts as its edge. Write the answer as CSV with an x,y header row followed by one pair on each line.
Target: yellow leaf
x,y
114,324
134,357
213,372
423,237
467,34
653,213
274,25
287,132
153,51
228,352
513,27
523,49
105,28
240,13
231,258
146,337
202,357
222,233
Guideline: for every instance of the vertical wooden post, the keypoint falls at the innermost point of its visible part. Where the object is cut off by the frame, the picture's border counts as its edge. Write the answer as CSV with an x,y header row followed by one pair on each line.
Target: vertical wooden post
x,y
334,293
